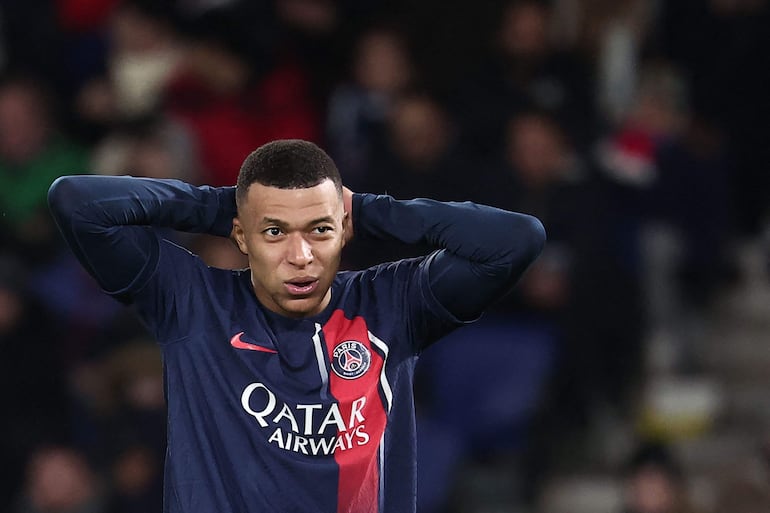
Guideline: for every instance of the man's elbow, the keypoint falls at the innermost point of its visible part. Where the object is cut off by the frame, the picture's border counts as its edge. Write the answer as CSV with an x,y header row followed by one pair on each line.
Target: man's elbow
x,y
64,195
518,245
531,237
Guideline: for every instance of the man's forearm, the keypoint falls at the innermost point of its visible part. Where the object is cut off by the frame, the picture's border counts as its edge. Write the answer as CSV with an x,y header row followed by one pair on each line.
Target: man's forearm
x,y
474,232
123,200
104,219
486,249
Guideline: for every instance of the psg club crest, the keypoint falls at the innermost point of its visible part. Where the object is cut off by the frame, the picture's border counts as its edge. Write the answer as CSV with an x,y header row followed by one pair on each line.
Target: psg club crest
x,y
351,359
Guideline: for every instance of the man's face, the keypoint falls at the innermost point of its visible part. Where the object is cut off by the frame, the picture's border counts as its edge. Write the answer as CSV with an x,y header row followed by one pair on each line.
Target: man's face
x,y
293,239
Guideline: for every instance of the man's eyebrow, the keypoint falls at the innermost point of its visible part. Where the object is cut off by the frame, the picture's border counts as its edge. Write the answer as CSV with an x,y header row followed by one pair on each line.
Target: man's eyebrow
x,y
324,219
284,224
274,221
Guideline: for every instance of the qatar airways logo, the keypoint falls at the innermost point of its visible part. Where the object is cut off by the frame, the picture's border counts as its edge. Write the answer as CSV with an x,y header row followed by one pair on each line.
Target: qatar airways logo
x,y
293,426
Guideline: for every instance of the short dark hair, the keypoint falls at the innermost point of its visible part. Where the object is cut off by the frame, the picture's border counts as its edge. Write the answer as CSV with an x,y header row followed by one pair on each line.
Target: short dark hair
x,y
653,454
287,164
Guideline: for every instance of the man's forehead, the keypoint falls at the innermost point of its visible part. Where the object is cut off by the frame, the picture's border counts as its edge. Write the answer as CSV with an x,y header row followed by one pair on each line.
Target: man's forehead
x,y
293,205
324,188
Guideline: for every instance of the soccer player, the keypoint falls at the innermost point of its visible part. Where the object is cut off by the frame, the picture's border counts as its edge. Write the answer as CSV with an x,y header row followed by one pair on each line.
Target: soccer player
x,y
289,384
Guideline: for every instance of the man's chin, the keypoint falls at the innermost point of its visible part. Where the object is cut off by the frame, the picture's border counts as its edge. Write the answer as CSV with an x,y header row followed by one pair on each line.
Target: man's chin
x,y
301,306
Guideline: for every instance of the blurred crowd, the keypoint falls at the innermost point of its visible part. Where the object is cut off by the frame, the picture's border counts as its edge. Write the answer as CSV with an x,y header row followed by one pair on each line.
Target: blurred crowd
x,y
636,130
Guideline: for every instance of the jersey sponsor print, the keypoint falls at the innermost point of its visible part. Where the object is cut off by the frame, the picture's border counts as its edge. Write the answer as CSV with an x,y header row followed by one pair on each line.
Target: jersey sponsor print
x,y
350,426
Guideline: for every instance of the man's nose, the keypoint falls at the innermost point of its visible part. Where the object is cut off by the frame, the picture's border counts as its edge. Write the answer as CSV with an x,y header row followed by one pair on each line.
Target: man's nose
x,y
299,250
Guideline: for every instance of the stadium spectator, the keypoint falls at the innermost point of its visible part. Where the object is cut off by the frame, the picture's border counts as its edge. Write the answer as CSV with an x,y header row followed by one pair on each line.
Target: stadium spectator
x,y
678,163
141,54
655,482
32,153
359,107
235,93
724,54
156,148
35,399
60,479
136,481
525,70
416,158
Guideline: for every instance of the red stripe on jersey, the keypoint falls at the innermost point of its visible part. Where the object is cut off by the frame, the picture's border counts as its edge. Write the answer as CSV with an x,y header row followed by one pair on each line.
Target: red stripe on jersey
x,y
358,488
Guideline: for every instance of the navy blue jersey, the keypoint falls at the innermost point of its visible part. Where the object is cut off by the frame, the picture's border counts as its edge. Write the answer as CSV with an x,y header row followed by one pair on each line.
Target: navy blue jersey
x,y
268,413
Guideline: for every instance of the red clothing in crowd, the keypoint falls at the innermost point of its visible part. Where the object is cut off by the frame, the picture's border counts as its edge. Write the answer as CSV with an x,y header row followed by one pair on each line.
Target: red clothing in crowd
x,y
229,127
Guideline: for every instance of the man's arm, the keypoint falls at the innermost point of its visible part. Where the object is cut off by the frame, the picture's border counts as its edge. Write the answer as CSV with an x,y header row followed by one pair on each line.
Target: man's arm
x,y
485,249
106,221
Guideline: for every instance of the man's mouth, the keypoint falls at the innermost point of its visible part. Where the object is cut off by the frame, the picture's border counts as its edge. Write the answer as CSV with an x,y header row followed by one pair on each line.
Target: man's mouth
x,y
301,286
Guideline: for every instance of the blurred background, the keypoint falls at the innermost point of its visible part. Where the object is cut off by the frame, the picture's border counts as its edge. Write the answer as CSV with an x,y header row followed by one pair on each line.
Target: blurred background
x,y
629,371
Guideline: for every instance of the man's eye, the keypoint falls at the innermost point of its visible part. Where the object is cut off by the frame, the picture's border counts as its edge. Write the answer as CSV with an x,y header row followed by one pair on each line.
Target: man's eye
x,y
273,232
323,229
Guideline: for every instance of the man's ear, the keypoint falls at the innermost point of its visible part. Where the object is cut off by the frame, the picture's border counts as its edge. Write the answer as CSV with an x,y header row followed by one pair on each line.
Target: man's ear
x,y
347,228
238,237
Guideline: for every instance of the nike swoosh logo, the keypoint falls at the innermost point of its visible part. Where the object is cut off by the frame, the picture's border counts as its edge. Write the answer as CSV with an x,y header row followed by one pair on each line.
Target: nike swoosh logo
x,y
237,343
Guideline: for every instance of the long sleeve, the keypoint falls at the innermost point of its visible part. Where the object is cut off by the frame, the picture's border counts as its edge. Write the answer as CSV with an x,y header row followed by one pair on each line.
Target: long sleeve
x,y
484,250
108,222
